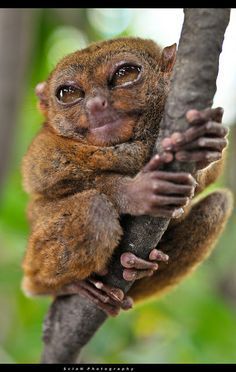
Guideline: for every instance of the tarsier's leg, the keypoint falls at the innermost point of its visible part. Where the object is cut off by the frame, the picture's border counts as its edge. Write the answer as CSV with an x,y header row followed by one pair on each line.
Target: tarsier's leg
x,y
71,238
187,244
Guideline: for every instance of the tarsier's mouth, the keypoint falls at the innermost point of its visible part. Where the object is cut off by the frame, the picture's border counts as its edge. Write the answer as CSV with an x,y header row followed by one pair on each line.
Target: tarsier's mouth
x,y
100,121
103,125
111,131
106,125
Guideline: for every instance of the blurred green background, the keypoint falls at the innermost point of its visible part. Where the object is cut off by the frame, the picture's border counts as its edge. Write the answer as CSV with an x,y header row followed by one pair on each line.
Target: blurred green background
x,y
194,323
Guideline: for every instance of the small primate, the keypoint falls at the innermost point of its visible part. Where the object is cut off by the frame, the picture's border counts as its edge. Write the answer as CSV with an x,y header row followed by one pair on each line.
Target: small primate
x,y
92,162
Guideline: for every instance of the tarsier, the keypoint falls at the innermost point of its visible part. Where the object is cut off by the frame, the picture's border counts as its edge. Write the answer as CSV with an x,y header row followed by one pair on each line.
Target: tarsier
x,y
93,162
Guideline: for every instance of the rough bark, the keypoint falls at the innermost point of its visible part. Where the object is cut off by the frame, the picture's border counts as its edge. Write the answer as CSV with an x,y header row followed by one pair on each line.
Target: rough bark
x,y
14,45
72,321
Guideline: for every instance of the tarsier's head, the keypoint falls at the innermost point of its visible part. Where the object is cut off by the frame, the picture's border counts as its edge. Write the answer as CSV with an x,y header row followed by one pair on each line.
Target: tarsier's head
x,y
108,92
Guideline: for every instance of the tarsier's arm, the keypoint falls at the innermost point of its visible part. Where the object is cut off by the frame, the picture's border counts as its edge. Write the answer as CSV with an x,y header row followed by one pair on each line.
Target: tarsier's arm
x,y
150,192
193,145
55,166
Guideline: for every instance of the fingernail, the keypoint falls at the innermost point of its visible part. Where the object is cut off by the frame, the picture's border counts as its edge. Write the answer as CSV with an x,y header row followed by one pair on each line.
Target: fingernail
x,y
178,139
202,142
167,157
128,302
131,262
187,201
178,212
165,257
167,147
162,256
114,294
98,285
155,267
118,293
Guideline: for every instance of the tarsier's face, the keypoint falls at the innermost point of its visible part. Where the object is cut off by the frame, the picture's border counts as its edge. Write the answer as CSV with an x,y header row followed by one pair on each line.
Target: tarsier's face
x,y
101,94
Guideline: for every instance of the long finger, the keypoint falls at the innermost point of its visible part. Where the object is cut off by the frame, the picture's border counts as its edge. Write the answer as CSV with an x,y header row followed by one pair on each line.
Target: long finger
x,y
161,200
217,144
107,308
96,292
130,260
178,139
157,161
116,293
157,255
197,156
132,274
167,188
195,117
127,303
182,178
167,212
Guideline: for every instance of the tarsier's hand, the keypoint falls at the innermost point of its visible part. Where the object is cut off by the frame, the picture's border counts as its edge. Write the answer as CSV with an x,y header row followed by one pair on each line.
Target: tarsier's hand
x,y
160,193
203,142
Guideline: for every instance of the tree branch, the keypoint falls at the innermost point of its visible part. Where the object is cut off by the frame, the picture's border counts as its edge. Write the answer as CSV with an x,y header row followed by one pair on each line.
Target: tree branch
x,y
72,321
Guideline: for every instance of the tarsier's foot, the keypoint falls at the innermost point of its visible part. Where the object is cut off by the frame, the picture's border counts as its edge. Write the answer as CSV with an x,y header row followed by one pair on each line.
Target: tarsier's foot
x,y
203,142
111,299
137,268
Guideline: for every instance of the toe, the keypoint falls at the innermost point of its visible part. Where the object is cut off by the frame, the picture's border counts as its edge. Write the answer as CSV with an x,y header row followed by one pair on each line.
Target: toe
x,y
130,260
131,274
157,255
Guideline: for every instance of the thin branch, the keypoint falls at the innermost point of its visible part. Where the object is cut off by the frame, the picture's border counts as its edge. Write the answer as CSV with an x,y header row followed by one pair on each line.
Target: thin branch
x,y
72,321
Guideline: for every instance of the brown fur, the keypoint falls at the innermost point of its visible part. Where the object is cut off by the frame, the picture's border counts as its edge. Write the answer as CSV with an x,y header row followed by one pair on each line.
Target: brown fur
x,y
75,178
69,238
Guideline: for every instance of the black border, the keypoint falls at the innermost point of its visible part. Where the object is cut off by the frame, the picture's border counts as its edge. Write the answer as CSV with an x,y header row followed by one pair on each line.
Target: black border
x,y
113,367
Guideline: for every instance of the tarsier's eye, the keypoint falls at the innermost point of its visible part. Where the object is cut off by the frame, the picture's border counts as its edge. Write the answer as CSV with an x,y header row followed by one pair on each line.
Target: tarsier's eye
x,y
69,94
125,75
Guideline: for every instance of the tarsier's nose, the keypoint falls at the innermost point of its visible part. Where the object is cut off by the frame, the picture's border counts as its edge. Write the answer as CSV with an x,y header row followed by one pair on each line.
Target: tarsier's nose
x,y
96,104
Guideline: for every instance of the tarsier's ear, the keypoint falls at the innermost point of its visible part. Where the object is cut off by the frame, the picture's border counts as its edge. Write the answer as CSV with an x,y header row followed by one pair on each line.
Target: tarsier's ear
x,y
168,57
41,93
